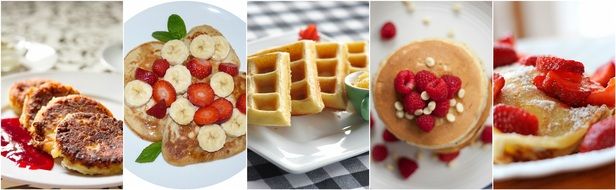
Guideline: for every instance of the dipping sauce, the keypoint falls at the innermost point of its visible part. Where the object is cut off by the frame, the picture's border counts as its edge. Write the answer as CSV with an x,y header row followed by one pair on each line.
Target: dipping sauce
x,y
362,81
17,148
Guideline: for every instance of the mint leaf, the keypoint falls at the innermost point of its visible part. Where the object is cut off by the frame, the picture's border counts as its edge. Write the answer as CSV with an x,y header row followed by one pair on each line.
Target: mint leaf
x,y
164,36
176,25
150,153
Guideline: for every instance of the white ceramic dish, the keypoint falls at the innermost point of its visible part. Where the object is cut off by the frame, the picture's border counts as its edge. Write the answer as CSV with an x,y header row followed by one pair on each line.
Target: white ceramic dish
x,y
108,93
313,141
138,30
472,26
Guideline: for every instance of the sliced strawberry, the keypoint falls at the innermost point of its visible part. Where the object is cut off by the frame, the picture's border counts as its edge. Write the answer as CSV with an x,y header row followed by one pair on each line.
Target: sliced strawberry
x,y
200,94
206,115
389,137
448,157
529,60
404,82
145,76
159,110
379,152
508,40
309,33
159,67
406,167
241,103
499,82
437,90
229,68
570,88
388,31
599,136
538,82
453,85
603,96
199,68
225,109
511,119
163,91
422,78
486,134
604,73
551,63
504,55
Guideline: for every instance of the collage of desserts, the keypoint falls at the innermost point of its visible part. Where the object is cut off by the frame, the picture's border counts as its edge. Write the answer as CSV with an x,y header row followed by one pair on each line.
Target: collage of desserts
x,y
327,94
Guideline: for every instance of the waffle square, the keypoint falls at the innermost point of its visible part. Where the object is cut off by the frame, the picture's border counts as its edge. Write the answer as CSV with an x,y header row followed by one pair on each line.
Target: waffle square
x,y
331,68
357,59
269,89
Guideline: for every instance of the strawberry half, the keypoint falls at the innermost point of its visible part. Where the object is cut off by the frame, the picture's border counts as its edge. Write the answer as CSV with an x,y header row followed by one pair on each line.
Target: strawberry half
x,y
604,73
508,40
206,115
570,88
159,110
241,104
599,136
511,119
163,91
529,60
145,76
504,55
200,94
551,63
499,82
603,96
229,68
159,67
225,109
199,68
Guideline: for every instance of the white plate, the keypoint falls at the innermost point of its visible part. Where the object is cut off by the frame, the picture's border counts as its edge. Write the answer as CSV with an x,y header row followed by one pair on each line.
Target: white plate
x,y
109,93
312,141
473,26
138,30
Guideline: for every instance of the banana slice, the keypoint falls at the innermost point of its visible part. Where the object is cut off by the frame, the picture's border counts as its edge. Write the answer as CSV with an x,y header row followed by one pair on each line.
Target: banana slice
x,y
202,46
175,52
222,84
221,49
236,126
137,93
179,77
211,138
182,111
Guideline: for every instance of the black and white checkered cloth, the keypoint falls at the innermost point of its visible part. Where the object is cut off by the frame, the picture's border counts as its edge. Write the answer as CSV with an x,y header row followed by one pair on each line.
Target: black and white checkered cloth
x,y
340,20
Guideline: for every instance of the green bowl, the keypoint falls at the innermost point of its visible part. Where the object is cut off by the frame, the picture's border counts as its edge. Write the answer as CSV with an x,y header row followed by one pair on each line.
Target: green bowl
x,y
359,97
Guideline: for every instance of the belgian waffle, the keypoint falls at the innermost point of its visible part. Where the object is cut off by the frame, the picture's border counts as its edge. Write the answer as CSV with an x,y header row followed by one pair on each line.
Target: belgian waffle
x,y
269,89
331,68
357,58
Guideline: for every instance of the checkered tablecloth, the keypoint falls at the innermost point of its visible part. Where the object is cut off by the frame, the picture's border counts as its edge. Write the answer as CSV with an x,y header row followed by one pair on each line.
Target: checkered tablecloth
x,y
342,21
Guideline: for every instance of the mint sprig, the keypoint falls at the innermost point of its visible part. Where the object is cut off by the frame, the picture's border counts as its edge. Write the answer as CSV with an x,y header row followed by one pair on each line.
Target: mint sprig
x,y
150,153
176,29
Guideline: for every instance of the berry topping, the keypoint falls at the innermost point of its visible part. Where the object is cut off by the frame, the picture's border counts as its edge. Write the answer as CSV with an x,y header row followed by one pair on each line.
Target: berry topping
x,y
529,60
225,109
486,134
206,115
229,68
163,91
145,76
406,167
413,102
159,110
448,157
499,82
422,78
453,85
570,88
404,82
388,31
599,136
550,63
441,109
510,119
508,40
241,103
159,67
425,123
309,33
437,89
200,94
604,73
199,68
603,96
504,55
379,152
389,137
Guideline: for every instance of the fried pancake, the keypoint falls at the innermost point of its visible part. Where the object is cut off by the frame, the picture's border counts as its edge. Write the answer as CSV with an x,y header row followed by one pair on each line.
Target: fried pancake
x,y
17,92
90,143
180,144
47,119
36,98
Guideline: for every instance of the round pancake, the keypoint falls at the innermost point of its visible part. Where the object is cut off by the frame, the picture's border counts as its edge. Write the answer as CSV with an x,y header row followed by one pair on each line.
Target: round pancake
x,y
36,98
17,92
451,58
90,143
47,119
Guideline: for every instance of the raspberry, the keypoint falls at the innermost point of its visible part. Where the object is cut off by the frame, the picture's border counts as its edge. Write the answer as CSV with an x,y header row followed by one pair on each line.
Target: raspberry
x,y
437,90
448,157
379,152
404,82
441,109
388,31
422,78
499,82
504,55
425,123
413,102
406,167
529,60
389,137
511,119
486,134
550,63
599,136
453,85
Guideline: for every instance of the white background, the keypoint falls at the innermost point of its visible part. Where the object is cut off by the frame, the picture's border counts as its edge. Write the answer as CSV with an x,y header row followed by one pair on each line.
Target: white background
x,y
236,7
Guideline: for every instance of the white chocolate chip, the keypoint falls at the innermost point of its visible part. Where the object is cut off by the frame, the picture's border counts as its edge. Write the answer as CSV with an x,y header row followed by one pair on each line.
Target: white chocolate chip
x,y
409,116
398,106
461,93
400,114
432,106
456,8
410,7
427,111
425,96
430,61
452,102
459,107
426,21
451,117
451,34
418,112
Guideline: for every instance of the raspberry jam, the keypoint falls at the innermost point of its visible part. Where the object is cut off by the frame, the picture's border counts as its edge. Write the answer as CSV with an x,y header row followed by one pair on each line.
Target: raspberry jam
x,y
16,147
